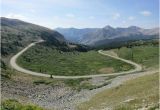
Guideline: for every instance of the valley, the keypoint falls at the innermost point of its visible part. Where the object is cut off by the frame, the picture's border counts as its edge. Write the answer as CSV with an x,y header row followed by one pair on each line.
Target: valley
x,y
65,75
72,63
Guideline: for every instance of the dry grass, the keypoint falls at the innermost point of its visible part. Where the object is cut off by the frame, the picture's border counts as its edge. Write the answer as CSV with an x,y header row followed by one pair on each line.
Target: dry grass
x,y
139,91
106,70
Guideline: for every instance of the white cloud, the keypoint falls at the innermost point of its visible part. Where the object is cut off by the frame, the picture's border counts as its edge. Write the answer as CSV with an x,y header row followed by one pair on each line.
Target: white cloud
x,y
55,17
123,21
91,17
145,13
116,16
32,10
131,17
16,16
70,15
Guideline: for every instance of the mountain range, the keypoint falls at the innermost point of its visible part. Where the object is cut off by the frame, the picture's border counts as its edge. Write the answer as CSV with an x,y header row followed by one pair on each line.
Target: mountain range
x,y
107,34
16,34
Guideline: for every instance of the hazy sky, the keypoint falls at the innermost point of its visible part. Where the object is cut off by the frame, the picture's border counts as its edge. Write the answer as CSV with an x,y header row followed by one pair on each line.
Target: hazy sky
x,y
83,13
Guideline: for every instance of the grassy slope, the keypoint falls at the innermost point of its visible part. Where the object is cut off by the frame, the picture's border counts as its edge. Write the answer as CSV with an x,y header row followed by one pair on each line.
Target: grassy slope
x,y
15,105
16,34
140,89
146,55
48,60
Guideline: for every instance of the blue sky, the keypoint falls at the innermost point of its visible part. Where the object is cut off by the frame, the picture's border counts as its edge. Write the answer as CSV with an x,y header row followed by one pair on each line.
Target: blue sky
x,y
84,13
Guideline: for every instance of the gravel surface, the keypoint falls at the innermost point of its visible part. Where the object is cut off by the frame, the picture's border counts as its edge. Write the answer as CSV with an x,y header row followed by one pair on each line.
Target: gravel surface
x,y
57,96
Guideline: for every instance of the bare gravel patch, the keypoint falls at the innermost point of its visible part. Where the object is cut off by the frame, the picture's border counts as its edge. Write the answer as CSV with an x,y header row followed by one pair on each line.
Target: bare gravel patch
x,y
57,96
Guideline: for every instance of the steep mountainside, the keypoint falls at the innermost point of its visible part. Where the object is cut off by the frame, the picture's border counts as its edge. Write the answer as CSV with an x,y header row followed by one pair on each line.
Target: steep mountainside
x,y
16,34
108,34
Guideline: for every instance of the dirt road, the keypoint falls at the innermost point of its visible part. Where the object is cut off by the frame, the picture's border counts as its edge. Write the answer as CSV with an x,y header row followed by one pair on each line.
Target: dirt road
x,y
23,70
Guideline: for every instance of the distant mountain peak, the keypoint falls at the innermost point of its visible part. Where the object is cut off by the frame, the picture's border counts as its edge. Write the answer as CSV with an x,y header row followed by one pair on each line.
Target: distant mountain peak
x,y
108,27
134,27
107,34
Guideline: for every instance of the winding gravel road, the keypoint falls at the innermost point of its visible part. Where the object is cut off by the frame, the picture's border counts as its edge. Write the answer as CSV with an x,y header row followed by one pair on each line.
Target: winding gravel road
x,y
15,66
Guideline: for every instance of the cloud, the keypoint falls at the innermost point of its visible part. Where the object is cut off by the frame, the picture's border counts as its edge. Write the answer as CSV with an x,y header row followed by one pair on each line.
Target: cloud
x,y
145,13
116,16
124,21
55,17
70,15
16,16
91,17
32,10
131,17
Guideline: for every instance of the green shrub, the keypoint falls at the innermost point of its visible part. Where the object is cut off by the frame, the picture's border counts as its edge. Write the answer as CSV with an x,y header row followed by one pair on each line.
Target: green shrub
x,y
6,73
155,107
12,104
